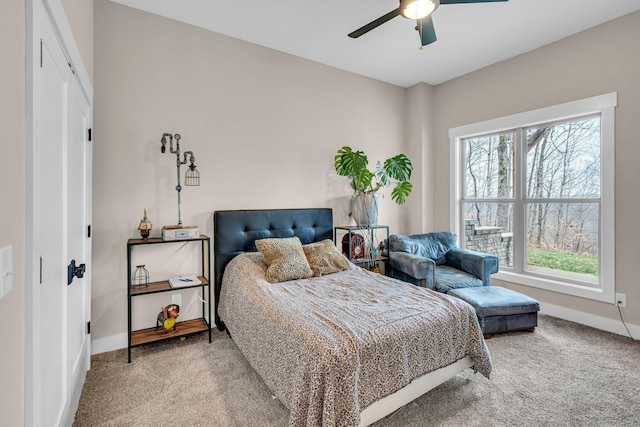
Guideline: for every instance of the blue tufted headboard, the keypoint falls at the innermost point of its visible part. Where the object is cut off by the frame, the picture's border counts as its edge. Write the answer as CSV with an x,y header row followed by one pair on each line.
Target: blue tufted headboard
x,y
235,232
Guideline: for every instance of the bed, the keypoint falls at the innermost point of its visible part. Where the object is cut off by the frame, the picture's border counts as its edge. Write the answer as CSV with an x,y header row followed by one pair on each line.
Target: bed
x,y
342,349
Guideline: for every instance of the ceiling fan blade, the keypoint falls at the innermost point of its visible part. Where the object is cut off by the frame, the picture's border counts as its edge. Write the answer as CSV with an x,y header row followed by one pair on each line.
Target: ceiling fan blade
x,y
468,1
426,30
371,25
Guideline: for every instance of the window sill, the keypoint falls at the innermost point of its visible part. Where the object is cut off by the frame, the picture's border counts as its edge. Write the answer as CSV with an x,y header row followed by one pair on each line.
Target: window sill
x,y
582,291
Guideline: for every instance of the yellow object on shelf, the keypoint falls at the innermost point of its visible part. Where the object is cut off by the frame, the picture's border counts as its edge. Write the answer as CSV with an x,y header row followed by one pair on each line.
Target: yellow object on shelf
x,y
167,317
169,323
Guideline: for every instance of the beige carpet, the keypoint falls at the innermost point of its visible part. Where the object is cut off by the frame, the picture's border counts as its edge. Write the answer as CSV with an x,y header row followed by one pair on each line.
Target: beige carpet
x,y
563,374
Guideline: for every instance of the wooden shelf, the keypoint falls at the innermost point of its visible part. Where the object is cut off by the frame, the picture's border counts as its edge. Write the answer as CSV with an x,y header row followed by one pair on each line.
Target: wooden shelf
x,y
164,286
145,336
152,240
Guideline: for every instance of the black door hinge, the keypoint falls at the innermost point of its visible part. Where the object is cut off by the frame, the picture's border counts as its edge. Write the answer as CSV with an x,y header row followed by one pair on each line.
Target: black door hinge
x,y
89,134
40,53
89,230
89,328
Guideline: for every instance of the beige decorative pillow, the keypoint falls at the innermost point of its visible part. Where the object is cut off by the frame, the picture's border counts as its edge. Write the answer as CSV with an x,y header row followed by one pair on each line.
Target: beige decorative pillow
x,y
324,258
284,258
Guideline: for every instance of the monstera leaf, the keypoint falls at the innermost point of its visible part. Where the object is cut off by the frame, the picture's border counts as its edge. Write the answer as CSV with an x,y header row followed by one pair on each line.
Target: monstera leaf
x,y
395,170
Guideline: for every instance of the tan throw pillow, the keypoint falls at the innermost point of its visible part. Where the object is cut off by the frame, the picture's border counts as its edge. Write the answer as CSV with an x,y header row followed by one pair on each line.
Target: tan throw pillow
x,y
324,258
284,258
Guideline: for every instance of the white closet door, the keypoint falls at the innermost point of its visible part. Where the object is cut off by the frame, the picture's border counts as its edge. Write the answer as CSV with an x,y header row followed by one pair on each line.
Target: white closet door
x,y
50,294
61,215
78,243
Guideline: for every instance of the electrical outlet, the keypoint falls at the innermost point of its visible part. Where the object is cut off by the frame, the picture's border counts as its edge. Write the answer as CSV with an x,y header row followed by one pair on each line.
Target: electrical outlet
x,y
621,300
176,299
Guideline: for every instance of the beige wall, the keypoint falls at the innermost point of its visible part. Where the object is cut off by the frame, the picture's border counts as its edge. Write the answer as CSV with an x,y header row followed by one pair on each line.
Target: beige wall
x,y
601,60
417,215
264,127
12,208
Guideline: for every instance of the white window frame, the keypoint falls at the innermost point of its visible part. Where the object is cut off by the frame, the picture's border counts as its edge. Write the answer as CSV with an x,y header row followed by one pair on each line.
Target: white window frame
x,y
605,106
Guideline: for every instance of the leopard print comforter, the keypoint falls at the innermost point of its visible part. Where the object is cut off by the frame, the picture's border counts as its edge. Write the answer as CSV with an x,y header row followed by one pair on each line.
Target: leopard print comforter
x,y
330,346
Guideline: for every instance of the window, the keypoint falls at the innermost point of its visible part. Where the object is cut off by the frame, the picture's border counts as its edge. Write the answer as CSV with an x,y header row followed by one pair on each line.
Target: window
x,y
537,190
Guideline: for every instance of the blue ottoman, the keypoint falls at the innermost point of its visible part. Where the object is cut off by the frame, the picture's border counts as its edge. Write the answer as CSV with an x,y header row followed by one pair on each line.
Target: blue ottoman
x,y
500,309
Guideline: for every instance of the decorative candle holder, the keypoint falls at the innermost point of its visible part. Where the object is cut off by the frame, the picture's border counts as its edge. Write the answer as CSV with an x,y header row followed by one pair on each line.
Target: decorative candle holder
x,y
145,226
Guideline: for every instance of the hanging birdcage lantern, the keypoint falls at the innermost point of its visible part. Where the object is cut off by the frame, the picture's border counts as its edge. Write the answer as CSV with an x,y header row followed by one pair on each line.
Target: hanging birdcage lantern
x,y
192,176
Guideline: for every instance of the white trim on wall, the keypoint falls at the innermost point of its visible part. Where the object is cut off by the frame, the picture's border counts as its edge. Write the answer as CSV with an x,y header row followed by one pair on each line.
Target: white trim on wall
x,y
110,343
594,104
67,41
604,105
597,322
35,11
119,341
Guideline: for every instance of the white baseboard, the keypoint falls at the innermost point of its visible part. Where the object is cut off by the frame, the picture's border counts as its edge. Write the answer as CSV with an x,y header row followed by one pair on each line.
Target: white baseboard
x,y
114,342
598,322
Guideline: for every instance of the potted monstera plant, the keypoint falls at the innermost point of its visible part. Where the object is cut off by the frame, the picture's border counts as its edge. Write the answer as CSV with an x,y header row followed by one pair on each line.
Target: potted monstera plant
x,y
395,171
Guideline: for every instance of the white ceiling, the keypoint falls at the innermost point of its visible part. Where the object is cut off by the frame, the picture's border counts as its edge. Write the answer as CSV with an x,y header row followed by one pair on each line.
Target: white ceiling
x,y
470,36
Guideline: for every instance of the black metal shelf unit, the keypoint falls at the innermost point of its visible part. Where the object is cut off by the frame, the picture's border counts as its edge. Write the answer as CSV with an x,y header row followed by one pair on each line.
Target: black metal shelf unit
x,y
188,327
368,232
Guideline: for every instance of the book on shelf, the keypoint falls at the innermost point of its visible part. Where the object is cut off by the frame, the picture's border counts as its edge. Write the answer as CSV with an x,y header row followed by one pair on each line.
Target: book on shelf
x,y
177,282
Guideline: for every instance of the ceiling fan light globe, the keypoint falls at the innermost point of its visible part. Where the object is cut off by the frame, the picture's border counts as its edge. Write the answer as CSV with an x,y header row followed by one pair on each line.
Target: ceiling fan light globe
x,y
417,9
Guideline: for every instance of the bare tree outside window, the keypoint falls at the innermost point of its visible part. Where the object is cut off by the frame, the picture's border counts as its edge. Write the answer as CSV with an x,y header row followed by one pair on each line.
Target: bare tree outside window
x,y
489,192
560,196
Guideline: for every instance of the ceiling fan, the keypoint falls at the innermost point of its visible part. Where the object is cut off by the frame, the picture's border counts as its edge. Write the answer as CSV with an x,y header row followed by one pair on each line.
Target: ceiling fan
x,y
421,11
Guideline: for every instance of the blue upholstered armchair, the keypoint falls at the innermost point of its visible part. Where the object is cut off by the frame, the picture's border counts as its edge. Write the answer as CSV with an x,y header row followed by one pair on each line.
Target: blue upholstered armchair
x,y
434,261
